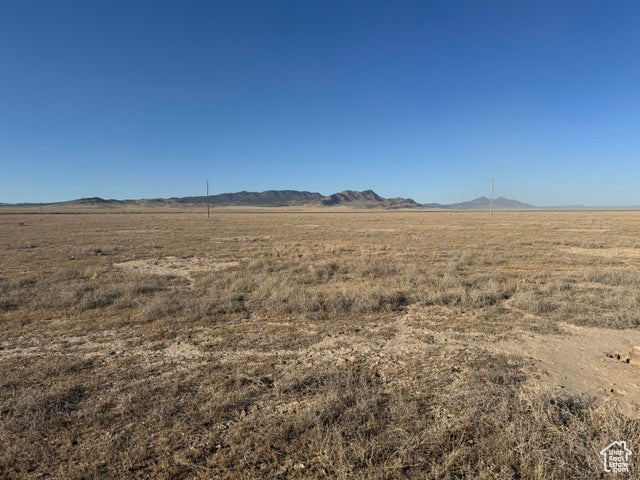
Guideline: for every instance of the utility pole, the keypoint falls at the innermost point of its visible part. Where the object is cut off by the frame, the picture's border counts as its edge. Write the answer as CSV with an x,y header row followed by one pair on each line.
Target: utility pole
x,y
491,201
207,198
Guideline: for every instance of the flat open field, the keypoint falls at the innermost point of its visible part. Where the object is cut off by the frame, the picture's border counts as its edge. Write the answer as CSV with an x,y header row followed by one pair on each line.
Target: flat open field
x,y
280,344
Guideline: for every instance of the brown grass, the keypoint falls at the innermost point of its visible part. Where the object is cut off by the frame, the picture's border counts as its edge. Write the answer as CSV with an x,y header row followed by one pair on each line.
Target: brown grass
x,y
281,344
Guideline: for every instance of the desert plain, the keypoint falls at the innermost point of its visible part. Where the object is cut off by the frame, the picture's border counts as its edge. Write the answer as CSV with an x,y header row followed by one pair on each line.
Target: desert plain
x,y
283,343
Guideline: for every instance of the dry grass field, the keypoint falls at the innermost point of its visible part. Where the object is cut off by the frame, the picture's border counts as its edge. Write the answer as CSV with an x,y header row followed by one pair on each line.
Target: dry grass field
x,y
283,344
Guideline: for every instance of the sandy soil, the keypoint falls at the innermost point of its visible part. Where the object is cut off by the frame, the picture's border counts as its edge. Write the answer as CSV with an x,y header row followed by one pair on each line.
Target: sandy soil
x,y
606,252
177,266
591,361
598,362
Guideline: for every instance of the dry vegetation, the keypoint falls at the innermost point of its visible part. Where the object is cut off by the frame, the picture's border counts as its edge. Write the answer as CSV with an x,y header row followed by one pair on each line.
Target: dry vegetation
x,y
317,345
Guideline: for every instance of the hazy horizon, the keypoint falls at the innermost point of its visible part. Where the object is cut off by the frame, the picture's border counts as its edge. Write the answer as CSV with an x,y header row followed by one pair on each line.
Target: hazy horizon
x,y
427,100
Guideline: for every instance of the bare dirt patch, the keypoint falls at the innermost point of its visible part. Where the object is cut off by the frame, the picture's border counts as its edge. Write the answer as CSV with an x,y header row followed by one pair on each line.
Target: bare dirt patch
x,y
183,351
606,252
582,360
585,230
177,266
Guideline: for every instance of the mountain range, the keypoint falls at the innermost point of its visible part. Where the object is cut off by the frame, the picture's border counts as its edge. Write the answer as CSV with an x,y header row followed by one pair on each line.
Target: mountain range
x,y
278,198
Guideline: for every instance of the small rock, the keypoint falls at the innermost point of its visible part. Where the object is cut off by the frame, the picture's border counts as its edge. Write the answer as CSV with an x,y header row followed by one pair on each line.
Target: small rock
x,y
300,466
634,356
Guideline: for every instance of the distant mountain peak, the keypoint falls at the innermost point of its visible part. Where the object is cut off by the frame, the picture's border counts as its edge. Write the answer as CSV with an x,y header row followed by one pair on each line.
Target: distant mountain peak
x,y
91,201
482,203
366,199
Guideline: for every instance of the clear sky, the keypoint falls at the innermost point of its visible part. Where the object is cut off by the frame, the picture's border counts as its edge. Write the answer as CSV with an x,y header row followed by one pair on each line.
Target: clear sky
x,y
424,99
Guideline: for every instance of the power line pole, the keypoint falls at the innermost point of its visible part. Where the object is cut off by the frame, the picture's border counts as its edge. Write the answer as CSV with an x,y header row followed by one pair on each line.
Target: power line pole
x,y
491,201
207,198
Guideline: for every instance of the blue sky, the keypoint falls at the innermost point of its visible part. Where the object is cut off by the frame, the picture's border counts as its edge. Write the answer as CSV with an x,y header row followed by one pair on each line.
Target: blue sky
x,y
428,100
